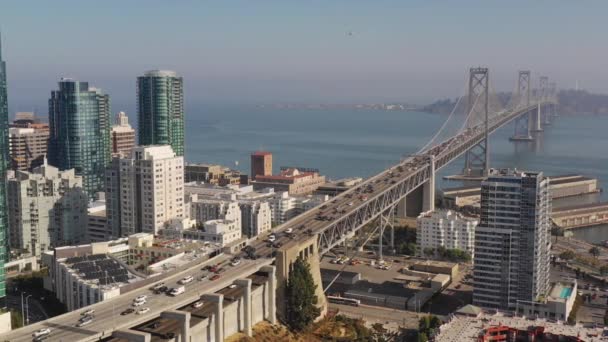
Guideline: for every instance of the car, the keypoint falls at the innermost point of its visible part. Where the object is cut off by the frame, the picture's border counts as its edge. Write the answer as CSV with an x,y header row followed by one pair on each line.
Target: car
x,y
140,298
84,321
88,312
215,277
350,203
139,303
157,286
127,311
185,280
197,304
289,230
41,332
161,289
232,286
235,262
142,311
271,237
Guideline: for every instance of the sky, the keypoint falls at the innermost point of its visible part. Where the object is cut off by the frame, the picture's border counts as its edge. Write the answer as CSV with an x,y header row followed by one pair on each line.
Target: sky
x,y
252,52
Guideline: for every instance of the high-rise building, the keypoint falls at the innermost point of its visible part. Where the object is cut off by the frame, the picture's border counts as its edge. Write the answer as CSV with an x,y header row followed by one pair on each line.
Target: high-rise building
x,y
512,240
4,160
160,111
256,218
123,136
261,164
144,191
79,120
28,146
48,208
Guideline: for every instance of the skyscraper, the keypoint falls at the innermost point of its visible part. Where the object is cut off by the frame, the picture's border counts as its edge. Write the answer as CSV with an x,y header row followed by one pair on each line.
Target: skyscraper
x,y
123,136
3,166
144,191
161,110
512,240
79,120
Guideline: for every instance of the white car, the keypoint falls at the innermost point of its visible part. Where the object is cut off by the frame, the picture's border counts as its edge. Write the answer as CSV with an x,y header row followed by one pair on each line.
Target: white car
x,y
85,321
139,303
289,230
235,262
41,332
350,203
158,286
186,280
232,286
142,311
88,312
197,304
140,298
271,237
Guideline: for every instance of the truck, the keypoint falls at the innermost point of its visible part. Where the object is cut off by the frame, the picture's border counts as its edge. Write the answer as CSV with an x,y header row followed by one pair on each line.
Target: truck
x,y
176,291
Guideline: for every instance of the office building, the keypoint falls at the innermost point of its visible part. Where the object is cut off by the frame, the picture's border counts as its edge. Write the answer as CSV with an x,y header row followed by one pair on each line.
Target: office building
x,y
28,146
512,240
160,117
79,122
47,208
261,164
256,218
144,191
447,229
123,136
4,162
292,180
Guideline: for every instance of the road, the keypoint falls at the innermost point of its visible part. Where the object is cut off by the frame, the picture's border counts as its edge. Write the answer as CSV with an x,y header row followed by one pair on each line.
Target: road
x,y
107,313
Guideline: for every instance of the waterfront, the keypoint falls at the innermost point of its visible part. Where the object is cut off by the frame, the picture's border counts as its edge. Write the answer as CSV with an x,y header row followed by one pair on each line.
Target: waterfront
x,y
593,234
345,143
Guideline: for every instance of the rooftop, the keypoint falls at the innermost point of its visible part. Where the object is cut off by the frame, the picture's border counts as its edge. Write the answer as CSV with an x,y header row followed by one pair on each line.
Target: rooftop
x,y
261,153
98,269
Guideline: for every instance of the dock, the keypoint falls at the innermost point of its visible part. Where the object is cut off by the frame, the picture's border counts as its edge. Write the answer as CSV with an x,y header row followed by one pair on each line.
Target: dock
x,y
579,216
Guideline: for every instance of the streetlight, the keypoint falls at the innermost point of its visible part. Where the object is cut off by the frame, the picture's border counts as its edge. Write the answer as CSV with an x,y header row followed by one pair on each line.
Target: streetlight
x,y
27,310
22,312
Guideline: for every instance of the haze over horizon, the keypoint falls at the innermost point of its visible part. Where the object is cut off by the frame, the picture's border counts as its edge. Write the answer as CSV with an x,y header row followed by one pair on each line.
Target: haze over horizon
x,y
246,52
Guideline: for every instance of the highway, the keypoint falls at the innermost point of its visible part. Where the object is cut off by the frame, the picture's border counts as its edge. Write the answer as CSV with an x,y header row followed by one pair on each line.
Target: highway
x,y
108,313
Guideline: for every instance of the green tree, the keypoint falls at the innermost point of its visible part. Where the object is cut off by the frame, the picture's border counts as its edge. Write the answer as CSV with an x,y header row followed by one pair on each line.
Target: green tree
x,y
435,322
422,337
557,231
428,251
567,255
301,298
424,323
407,248
604,269
594,251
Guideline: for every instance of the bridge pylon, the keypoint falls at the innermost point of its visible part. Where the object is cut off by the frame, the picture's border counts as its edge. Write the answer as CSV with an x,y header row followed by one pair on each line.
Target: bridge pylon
x,y
523,124
542,93
477,158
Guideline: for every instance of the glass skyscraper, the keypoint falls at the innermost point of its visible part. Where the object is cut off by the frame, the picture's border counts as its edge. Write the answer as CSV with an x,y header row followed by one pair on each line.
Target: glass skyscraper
x,y
79,122
160,111
3,166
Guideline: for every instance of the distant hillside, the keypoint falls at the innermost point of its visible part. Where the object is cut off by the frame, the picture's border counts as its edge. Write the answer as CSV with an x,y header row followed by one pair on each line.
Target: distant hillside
x,y
570,102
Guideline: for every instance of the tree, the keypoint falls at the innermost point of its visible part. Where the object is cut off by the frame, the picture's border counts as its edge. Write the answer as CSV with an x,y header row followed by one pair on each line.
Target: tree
x,y
435,322
567,255
424,323
429,251
557,231
422,337
407,248
604,269
301,297
594,251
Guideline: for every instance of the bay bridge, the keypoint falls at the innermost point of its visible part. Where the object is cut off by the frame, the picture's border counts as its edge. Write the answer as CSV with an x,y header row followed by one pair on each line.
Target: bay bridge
x,y
254,289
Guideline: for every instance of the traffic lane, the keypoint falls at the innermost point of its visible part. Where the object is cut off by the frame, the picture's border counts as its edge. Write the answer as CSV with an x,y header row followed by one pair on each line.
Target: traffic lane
x,y
107,320
102,309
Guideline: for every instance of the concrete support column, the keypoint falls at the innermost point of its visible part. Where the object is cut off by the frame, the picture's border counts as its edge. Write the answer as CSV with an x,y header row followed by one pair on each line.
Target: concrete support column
x,y
272,292
537,122
132,335
246,284
184,318
428,190
218,299
402,208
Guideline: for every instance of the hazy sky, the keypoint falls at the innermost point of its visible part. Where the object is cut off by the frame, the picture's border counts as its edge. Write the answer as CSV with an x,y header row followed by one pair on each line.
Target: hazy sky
x,y
299,51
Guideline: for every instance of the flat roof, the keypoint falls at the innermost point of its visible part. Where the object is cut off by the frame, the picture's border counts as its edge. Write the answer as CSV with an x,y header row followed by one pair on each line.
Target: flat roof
x,y
261,153
580,208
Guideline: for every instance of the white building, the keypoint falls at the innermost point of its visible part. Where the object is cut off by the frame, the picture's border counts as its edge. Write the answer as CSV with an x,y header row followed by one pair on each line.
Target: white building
x,y
46,208
144,191
221,232
203,210
447,229
256,218
97,223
